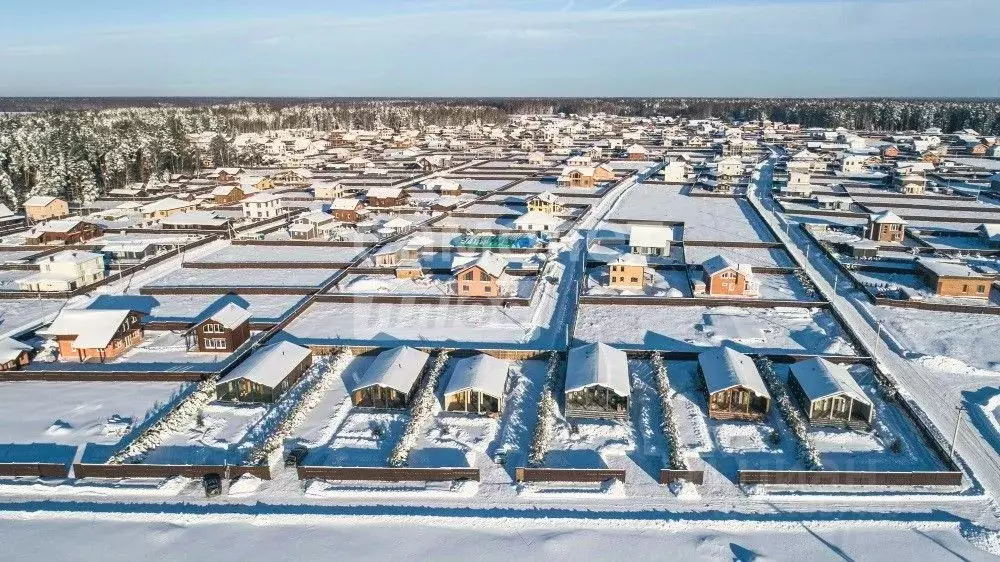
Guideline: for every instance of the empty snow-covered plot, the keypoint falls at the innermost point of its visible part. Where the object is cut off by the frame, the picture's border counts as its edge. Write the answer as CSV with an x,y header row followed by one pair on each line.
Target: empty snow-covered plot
x,y
44,421
519,416
693,328
251,253
237,277
954,341
20,315
9,278
417,324
193,308
455,440
785,287
209,437
756,257
536,186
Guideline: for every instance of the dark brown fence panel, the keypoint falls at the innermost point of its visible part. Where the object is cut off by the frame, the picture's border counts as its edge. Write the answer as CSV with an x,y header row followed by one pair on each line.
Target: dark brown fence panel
x,y
81,470
43,470
125,376
701,301
849,478
387,474
668,476
420,299
525,474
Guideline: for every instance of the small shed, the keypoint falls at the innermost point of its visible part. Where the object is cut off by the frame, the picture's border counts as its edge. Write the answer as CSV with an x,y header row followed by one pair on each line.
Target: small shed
x,y
391,379
597,383
733,384
829,395
477,385
266,374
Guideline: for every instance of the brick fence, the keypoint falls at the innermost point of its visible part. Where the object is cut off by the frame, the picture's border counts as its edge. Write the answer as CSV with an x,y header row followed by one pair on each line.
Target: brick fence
x,y
387,474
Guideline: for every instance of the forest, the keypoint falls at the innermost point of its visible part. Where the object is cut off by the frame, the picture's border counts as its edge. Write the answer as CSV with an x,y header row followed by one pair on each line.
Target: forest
x,y
79,148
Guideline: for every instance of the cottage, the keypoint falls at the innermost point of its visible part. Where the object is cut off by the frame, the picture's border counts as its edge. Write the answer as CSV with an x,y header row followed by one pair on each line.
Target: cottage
x,y
650,240
832,202
329,190
636,152
166,207
62,231
537,221
228,194
391,379
311,225
264,206
13,354
885,227
224,331
576,177
579,161
265,375
910,183
828,394
861,249
724,277
42,207
953,278
476,385
444,186
628,272
95,335
357,163
65,271
386,197
536,158
597,382
480,278
733,384
545,202
196,220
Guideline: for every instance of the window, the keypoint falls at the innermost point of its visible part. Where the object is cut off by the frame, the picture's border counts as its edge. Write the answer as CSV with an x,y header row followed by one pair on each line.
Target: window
x,y
981,289
213,328
465,287
487,289
635,279
965,288
470,276
215,343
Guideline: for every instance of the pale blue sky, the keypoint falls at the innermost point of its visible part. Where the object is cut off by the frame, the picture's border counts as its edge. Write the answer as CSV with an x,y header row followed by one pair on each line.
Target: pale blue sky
x,y
501,47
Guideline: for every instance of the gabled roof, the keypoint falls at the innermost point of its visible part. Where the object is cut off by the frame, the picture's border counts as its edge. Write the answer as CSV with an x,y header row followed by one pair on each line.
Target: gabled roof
x,y
886,217
92,328
231,316
650,236
489,262
716,264
481,372
166,204
545,196
11,349
820,379
270,364
597,364
345,204
397,368
384,192
57,225
725,368
538,217
39,201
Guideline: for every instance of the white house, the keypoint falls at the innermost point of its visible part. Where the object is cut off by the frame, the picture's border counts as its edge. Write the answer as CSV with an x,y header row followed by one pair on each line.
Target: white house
x,y
537,221
264,206
65,271
650,240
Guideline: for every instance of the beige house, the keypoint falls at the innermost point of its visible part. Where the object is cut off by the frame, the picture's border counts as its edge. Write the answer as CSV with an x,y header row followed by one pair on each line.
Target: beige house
x,y
41,207
65,271
546,202
628,272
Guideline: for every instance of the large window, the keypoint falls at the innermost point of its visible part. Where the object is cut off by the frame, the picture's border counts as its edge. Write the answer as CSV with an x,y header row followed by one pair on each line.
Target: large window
x,y
215,343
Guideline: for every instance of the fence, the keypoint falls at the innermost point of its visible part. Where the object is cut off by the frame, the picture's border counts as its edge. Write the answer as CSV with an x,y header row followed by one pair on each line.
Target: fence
x,y
104,376
525,474
701,301
668,476
37,469
848,478
85,470
421,299
387,474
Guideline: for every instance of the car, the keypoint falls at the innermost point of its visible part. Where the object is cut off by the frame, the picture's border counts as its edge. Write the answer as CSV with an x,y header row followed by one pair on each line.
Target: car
x,y
212,482
296,455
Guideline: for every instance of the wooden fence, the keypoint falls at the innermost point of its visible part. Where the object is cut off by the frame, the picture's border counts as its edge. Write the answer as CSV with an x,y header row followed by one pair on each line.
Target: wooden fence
x,y
848,478
36,469
668,476
525,474
387,474
700,301
104,376
421,299
85,470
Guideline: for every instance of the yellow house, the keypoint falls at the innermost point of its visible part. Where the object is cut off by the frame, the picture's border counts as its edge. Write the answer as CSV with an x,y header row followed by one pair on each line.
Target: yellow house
x,y
545,202
628,272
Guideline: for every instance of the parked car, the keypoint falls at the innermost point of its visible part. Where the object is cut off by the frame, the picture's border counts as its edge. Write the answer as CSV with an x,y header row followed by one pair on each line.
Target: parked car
x,y
213,484
296,455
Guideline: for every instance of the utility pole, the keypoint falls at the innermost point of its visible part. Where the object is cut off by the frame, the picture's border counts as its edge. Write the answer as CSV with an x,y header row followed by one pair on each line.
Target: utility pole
x,y
958,424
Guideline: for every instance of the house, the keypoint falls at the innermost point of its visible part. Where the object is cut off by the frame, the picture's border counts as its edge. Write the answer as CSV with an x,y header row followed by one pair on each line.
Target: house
x,y
264,206
579,161
476,385
890,151
733,384
386,197
225,175
536,158
400,252
828,394
357,163
329,190
43,207
724,277
311,225
224,331
228,194
433,162
347,209
266,374
95,335
675,172
195,220
832,202
166,207
13,354
650,240
131,251
953,278
480,278
390,380
546,202
444,186
628,272
636,152
861,249
62,231
298,176
537,221
597,382
885,227
910,183
854,163
576,177
990,233
64,271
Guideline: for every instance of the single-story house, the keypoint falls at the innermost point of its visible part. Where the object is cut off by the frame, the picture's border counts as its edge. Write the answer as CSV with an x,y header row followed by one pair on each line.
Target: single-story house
x,y
391,379
477,385
734,386
13,354
828,393
597,382
95,335
266,374
650,240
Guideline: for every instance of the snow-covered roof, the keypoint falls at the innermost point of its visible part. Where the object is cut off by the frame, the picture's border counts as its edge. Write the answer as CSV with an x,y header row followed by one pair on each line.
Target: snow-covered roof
x,y
549,197
489,262
166,204
11,349
650,236
205,218
270,364
39,201
597,364
632,259
93,329
345,204
5,211
397,368
948,268
70,256
231,316
719,263
58,225
886,217
724,368
820,379
532,218
990,230
384,192
481,372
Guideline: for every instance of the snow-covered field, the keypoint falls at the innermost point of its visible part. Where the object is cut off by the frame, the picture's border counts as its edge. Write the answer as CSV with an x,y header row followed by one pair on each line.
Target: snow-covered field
x,y
197,277
260,254
689,328
430,285
756,257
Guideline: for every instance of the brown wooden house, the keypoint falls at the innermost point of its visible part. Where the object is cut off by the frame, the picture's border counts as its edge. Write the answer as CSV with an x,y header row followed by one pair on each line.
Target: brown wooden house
x,y
885,227
734,387
346,209
222,332
63,231
13,354
391,379
265,375
386,197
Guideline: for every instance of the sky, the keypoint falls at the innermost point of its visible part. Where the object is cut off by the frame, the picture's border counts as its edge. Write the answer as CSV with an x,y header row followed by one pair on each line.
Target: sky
x,y
782,48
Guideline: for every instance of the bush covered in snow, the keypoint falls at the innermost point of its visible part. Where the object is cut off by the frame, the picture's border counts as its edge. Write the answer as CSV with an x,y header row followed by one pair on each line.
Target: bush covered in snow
x,y
421,411
807,451
547,411
676,457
